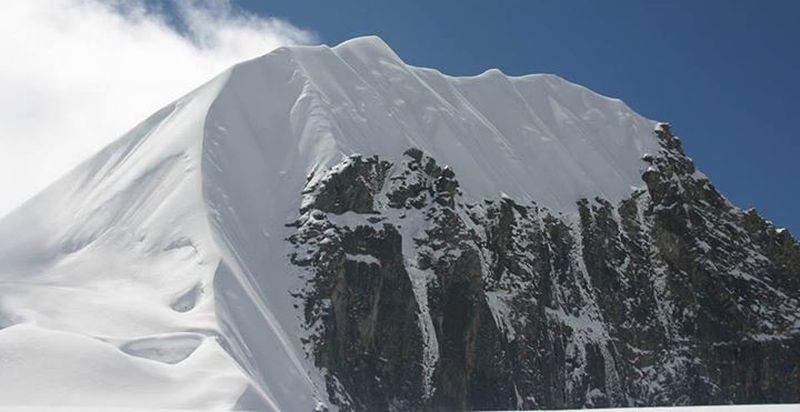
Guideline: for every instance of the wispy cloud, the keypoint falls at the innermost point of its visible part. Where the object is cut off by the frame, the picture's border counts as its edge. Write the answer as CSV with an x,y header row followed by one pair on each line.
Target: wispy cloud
x,y
75,74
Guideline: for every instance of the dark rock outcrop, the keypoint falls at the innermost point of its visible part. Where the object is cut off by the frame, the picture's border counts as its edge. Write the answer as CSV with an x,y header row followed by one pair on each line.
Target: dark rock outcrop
x,y
416,300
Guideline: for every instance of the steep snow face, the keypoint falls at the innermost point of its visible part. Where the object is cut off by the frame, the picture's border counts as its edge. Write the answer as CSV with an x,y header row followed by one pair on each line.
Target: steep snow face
x,y
166,252
535,138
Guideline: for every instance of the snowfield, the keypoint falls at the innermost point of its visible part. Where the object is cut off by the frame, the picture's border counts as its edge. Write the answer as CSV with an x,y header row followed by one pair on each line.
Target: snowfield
x,y
155,274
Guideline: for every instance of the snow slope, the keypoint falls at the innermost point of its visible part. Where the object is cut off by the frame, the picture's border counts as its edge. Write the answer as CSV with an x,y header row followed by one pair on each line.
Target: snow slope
x,y
155,274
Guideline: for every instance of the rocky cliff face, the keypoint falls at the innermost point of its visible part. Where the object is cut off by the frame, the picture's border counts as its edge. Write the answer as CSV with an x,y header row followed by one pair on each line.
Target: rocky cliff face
x,y
417,299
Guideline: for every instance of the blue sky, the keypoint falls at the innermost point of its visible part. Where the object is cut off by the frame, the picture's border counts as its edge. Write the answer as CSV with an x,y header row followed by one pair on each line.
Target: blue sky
x,y
724,73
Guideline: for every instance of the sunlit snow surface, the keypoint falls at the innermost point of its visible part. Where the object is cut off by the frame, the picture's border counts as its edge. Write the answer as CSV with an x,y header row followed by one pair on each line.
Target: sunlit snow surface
x,y
155,274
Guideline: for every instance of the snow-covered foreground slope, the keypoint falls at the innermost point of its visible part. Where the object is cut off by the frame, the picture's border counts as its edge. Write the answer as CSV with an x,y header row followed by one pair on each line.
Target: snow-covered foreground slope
x,y
156,273
106,285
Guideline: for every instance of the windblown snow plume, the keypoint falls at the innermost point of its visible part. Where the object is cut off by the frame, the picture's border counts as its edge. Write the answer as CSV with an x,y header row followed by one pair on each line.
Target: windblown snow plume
x,y
77,73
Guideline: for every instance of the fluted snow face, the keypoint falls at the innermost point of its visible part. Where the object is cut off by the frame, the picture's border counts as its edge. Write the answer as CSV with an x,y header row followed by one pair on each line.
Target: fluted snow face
x,y
535,138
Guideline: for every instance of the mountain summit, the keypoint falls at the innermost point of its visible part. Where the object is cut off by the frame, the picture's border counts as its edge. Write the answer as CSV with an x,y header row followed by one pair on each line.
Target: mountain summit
x,y
332,228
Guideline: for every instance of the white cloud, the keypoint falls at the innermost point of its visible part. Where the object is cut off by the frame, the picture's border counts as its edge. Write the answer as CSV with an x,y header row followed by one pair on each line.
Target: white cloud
x,y
75,74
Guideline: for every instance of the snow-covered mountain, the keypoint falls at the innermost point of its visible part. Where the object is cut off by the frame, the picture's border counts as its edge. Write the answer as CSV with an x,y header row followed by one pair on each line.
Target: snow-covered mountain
x,y
333,228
